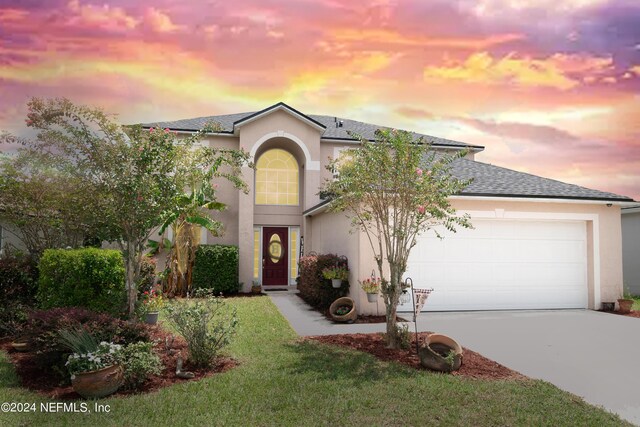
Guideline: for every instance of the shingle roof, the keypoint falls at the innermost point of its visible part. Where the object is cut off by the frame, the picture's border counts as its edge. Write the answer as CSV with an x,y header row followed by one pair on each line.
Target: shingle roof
x,y
332,131
490,180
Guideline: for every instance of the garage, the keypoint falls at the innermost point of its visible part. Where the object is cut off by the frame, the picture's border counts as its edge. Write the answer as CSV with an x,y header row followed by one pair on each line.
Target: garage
x,y
503,264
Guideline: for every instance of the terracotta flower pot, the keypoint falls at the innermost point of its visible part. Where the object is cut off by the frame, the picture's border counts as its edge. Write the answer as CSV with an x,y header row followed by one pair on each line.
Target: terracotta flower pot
x,y
351,316
625,305
100,383
372,297
21,344
434,354
151,318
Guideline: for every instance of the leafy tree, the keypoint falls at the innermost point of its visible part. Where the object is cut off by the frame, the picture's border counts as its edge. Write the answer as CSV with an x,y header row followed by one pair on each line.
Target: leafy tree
x,y
133,176
39,201
192,210
393,190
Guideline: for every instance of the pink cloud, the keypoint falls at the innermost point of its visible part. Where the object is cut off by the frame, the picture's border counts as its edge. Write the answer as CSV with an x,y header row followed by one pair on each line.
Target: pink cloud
x,y
159,21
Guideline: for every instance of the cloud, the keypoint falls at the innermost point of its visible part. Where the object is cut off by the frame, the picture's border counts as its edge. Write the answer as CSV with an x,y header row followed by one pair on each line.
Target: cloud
x,y
500,7
414,113
558,71
12,15
547,135
103,16
160,22
393,37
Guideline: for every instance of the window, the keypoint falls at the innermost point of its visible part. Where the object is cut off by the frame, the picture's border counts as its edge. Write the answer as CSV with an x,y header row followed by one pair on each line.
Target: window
x,y
277,179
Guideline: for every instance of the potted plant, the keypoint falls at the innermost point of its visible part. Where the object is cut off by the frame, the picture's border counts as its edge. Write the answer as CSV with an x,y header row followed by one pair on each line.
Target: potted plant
x,y
441,353
336,274
371,287
343,310
152,302
256,288
96,373
626,302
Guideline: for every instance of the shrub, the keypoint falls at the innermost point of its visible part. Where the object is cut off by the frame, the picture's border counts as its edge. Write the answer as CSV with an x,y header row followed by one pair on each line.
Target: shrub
x,y
147,275
18,286
139,362
313,287
205,326
91,278
50,351
216,268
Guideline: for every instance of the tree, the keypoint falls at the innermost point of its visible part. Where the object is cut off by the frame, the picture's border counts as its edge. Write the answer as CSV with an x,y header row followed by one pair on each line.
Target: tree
x,y
133,176
395,189
37,199
192,210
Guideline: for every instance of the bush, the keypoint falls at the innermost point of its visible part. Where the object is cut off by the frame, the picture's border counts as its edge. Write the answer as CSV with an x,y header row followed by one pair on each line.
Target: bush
x,y
313,287
139,362
91,278
205,326
147,275
18,286
216,268
50,351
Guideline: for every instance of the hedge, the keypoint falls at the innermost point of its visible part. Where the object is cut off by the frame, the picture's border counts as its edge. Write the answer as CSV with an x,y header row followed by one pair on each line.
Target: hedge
x,y
315,289
90,278
216,268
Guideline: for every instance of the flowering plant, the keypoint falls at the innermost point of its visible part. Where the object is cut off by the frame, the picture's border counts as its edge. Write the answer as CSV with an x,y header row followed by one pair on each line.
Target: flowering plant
x,y
105,355
371,285
335,272
152,301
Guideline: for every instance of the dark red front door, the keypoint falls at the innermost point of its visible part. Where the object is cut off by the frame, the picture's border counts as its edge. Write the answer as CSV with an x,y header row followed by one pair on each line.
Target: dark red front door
x,y
274,256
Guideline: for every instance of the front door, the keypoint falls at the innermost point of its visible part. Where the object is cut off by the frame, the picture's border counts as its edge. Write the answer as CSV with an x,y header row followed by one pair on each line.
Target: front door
x,y
274,256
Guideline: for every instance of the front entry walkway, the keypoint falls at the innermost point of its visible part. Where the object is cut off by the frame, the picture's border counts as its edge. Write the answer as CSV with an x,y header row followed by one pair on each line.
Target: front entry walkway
x,y
584,352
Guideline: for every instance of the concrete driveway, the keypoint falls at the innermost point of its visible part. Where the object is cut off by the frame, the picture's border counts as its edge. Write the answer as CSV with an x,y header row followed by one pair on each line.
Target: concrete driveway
x,y
593,355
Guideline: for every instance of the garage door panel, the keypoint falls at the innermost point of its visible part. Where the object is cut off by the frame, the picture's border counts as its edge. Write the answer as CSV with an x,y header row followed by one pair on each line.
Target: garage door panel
x,y
514,265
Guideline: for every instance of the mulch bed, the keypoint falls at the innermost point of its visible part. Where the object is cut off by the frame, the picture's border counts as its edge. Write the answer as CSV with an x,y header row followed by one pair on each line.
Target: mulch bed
x,y
43,382
633,313
474,365
360,319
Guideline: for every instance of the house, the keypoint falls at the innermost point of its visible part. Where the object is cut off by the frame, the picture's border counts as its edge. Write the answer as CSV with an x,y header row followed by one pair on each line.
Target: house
x,y
631,248
537,243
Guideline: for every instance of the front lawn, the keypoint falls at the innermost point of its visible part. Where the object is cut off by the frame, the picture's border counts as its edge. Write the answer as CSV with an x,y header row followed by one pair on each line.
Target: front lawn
x,y
636,303
281,381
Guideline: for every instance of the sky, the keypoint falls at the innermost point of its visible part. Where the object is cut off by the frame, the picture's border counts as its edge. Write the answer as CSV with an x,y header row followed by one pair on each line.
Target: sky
x,y
549,87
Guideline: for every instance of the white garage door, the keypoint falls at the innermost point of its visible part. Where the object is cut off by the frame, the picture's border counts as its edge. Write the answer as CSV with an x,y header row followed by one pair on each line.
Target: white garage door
x,y
503,264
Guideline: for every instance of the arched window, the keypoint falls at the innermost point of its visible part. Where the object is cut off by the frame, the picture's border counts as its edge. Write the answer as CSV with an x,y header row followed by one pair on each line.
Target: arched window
x,y
277,179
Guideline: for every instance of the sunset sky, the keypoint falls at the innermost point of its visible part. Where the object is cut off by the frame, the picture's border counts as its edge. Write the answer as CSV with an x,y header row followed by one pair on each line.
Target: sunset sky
x,y
550,87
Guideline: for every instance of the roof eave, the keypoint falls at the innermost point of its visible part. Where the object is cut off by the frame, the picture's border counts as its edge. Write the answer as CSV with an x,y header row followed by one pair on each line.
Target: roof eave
x,y
280,106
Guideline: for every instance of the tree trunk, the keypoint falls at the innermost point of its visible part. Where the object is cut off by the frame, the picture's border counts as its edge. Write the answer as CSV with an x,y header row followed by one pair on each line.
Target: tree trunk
x,y
392,333
131,276
393,340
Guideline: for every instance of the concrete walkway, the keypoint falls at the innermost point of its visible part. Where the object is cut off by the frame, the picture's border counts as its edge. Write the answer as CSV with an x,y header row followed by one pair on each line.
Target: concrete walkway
x,y
587,353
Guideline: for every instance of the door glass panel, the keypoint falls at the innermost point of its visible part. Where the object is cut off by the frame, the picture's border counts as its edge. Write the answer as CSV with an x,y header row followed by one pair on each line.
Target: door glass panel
x,y
275,248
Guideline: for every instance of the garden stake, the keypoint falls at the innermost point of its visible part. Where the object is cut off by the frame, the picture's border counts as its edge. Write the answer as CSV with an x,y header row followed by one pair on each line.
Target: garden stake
x,y
417,305
373,278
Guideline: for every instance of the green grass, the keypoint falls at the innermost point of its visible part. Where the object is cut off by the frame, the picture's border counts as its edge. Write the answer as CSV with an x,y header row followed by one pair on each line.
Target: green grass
x,y
283,382
636,303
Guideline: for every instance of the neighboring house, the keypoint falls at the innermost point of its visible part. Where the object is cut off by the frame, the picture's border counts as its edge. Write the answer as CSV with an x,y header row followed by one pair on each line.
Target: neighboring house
x,y
537,243
631,248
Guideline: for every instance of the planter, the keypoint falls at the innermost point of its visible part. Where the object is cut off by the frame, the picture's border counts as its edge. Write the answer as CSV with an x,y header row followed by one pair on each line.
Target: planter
x,y
350,316
21,345
151,318
625,305
336,283
372,297
256,289
434,354
100,383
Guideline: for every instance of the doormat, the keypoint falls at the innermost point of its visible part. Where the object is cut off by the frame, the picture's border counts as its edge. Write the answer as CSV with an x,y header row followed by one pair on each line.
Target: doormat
x,y
276,290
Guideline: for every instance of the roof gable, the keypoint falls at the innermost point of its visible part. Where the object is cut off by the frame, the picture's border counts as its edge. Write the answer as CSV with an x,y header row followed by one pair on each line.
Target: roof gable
x,y
280,106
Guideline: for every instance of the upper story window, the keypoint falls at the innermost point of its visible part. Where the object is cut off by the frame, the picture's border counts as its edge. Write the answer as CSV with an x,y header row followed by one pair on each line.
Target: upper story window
x,y
277,179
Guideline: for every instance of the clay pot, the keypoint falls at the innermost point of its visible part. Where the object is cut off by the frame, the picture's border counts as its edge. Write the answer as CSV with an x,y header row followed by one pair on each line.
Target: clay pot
x,y
625,305
100,383
351,316
434,354
21,345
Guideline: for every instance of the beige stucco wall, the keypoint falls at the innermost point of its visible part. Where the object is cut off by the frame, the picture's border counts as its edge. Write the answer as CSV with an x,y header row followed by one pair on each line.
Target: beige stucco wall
x,y
276,130
603,228
10,239
631,251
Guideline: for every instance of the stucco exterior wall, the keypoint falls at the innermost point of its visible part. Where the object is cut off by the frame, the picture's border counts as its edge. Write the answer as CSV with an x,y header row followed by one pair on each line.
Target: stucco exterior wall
x,y
631,251
10,239
603,229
